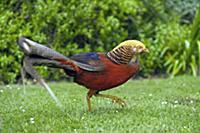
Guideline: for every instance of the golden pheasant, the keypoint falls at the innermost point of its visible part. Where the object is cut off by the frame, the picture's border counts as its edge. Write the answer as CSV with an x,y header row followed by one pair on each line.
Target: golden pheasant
x,y
96,71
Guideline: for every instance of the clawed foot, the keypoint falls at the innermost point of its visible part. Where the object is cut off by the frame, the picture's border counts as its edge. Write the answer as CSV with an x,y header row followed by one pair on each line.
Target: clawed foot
x,y
113,98
119,101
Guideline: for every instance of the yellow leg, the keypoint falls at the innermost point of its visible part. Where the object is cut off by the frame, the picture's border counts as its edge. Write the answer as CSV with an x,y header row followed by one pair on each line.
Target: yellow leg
x,y
114,99
89,95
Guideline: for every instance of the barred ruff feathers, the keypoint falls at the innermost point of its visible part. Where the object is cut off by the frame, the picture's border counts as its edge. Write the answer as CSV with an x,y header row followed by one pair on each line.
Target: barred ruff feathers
x,y
121,55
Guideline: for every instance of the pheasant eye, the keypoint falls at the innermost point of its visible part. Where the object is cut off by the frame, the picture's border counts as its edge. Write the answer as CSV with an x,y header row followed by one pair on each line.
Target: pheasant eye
x,y
134,49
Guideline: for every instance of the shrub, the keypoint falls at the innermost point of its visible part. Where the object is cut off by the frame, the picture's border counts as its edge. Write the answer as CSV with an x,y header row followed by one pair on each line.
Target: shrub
x,y
74,26
69,27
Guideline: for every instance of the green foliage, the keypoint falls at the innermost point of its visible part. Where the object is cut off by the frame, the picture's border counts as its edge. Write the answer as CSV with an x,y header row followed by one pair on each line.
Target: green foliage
x,y
68,27
181,51
173,46
183,8
74,26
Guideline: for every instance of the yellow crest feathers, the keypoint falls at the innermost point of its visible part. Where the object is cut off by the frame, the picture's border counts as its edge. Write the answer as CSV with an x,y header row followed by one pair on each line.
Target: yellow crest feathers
x,y
130,43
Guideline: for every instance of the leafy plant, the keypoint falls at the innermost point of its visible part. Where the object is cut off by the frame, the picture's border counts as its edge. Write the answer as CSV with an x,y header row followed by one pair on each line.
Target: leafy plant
x,y
183,55
69,27
75,26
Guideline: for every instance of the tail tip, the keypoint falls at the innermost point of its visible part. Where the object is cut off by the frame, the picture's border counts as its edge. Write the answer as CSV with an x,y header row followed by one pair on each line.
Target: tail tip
x,y
22,42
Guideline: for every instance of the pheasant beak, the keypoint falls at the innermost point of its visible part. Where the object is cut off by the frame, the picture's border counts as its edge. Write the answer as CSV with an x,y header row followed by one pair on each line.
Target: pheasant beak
x,y
143,50
146,50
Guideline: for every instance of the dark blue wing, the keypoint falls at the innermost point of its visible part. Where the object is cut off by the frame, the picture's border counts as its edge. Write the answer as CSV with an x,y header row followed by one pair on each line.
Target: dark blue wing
x,y
88,61
85,57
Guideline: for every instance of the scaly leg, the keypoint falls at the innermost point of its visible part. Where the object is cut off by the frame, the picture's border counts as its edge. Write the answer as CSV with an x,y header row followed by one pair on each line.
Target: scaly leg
x,y
114,99
89,95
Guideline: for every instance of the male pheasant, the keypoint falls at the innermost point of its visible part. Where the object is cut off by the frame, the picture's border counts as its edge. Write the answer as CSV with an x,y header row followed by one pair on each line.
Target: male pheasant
x,y
96,71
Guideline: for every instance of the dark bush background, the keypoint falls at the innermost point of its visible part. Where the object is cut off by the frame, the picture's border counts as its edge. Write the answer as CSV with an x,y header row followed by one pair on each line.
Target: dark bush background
x,y
169,28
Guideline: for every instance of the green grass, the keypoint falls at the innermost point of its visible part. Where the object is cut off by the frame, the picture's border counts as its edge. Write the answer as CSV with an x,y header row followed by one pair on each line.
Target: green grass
x,y
157,105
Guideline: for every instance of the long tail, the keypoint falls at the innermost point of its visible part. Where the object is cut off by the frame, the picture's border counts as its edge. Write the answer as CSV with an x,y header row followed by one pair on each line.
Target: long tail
x,y
37,54
33,48
42,55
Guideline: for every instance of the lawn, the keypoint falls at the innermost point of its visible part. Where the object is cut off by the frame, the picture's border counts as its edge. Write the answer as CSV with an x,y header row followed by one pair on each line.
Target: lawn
x,y
154,105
